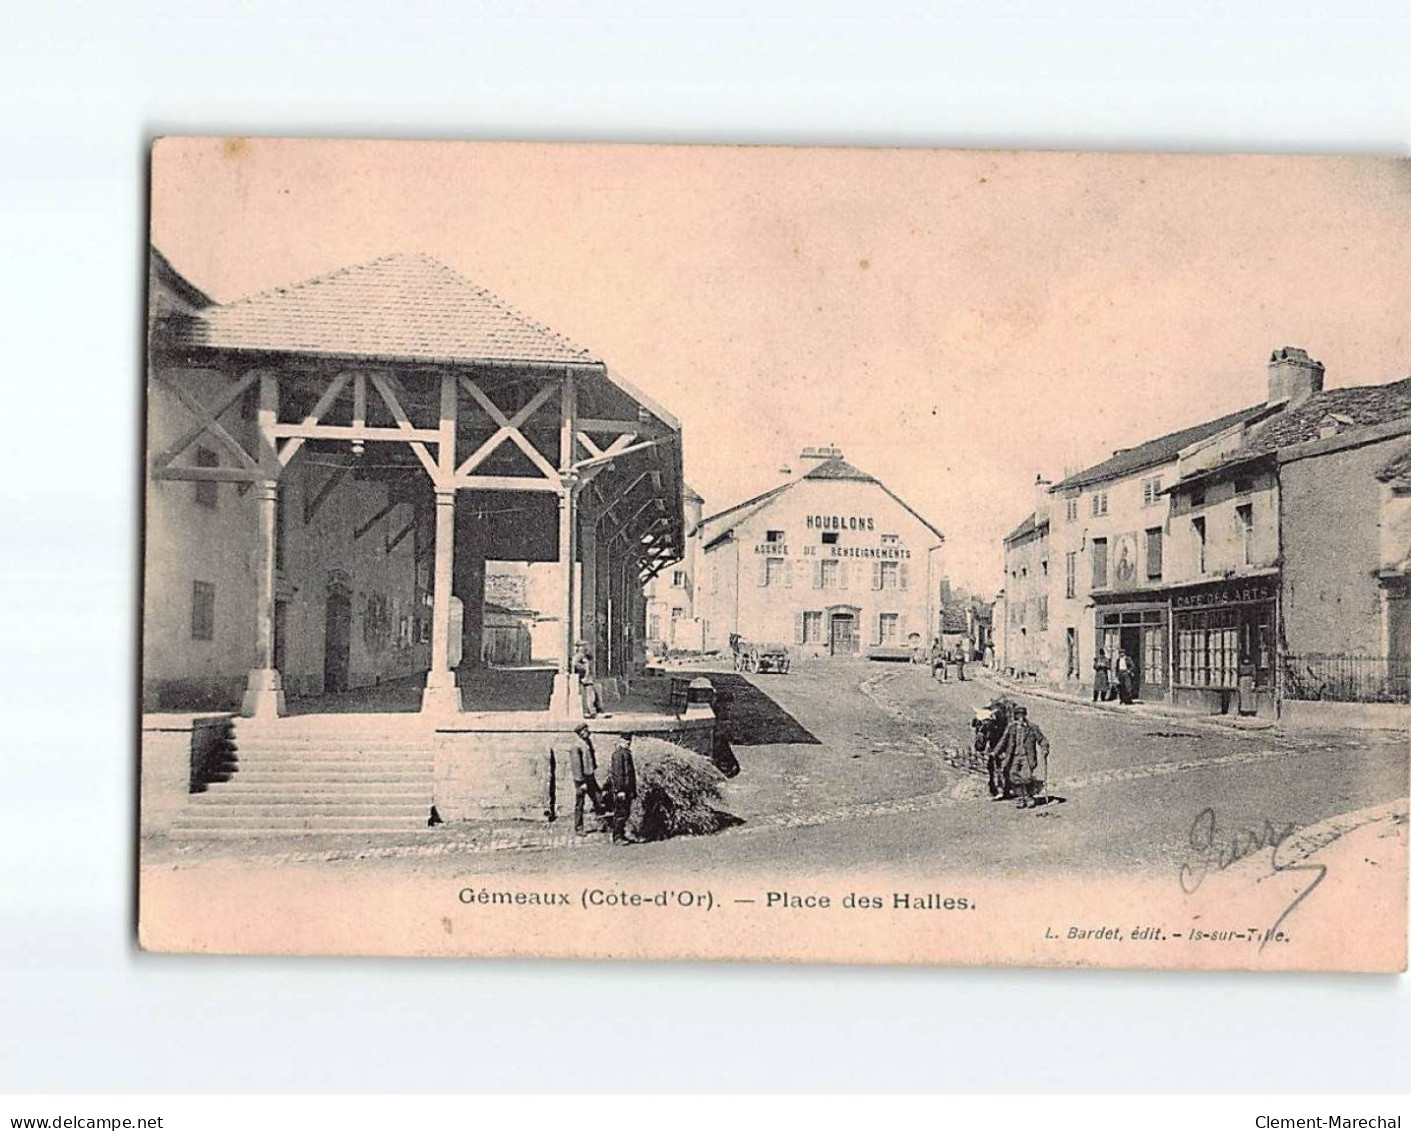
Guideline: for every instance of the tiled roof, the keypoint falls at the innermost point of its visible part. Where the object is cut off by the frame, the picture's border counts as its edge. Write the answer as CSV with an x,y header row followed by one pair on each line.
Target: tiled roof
x,y
398,307
1155,452
1356,407
1398,470
838,468
1028,526
832,469
180,287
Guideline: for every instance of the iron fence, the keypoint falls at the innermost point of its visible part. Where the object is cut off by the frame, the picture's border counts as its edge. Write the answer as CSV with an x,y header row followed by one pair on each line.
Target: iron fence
x,y
1346,679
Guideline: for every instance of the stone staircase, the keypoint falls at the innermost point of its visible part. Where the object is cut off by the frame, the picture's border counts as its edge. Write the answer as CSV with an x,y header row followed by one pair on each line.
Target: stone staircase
x,y
316,775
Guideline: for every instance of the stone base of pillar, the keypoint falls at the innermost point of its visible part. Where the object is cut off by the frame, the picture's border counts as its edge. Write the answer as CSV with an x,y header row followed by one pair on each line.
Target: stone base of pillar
x,y
441,695
264,695
566,701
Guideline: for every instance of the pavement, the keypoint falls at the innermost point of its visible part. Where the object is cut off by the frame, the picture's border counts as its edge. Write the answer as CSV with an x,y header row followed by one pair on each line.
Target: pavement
x,y
851,764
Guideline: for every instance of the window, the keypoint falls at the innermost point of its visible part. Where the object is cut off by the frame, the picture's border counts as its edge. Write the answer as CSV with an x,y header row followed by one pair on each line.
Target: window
x,y
813,628
1099,563
887,628
775,571
1207,649
891,539
1043,613
1099,504
830,537
1154,655
1244,527
1070,574
1153,554
1151,491
207,494
1198,526
677,612
1072,512
828,574
678,578
203,610
888,575
774,536
654,627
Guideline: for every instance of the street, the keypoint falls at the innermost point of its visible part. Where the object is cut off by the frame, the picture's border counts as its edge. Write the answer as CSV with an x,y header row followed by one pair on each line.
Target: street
x,y
843,767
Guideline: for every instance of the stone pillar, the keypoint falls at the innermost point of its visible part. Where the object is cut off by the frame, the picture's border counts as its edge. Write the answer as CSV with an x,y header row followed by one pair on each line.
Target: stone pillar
x,y
588,588
264,689
564,703
441,695
470,588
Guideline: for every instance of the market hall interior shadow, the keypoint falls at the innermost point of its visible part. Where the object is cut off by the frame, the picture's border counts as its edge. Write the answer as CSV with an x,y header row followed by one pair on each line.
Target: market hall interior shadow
x,y
749,717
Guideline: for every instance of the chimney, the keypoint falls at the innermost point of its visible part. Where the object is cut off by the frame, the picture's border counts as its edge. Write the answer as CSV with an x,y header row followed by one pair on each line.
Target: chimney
x,y
1041,499
1293,376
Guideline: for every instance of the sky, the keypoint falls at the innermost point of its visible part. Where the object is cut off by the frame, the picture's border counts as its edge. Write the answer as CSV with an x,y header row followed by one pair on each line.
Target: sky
x,y
957,322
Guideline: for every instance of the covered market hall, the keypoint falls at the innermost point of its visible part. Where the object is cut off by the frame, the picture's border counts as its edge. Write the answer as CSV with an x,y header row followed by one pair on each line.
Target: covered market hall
x,y
332,464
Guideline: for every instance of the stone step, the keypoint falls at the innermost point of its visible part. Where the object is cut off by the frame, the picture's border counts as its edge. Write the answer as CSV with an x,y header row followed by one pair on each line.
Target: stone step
x,y
254,832
314,796
289,816
343,758
340,744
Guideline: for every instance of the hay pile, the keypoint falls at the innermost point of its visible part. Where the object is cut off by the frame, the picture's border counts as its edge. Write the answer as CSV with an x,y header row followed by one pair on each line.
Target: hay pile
x,y
678,792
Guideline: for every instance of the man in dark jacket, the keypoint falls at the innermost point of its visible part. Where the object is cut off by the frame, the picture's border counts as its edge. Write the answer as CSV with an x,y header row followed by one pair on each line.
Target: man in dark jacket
x,y
623,776
583,762
1024,751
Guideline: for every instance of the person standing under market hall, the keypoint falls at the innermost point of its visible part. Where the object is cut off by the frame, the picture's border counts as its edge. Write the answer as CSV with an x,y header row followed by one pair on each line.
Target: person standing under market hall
x,y
587,685
583,761
623,777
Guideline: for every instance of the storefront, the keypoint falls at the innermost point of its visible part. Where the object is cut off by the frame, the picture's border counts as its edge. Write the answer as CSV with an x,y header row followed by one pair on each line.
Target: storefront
x,y
1224,635
1140,629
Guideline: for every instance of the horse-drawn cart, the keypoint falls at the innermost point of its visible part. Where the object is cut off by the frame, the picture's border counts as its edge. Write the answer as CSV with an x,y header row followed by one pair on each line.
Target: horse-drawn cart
x,y
752,656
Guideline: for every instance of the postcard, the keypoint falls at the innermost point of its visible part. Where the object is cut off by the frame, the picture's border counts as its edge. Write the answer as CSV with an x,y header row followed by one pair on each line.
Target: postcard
x,y
798,554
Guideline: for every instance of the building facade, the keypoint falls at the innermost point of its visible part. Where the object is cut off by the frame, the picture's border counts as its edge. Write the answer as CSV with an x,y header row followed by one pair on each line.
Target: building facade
x,y
830,562
671,621
1213,555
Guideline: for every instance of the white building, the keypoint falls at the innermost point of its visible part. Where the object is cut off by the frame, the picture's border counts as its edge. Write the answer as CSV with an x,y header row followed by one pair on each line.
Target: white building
x,y
830,562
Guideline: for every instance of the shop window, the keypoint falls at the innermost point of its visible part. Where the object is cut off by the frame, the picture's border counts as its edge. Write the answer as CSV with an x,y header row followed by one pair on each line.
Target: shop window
x,y
1099,504
813,628
1207,649
1070,574
1151,491
203,610
1198,528
207,494
1099,563
1153,656
1153,554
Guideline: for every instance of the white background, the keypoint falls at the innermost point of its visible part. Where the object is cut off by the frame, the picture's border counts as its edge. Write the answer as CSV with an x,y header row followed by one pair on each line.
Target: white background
x,y
83,87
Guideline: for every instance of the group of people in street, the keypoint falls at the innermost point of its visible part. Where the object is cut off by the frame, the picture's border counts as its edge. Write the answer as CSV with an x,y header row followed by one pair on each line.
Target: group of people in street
x,y
1114,679
943,659
1016,753
613,804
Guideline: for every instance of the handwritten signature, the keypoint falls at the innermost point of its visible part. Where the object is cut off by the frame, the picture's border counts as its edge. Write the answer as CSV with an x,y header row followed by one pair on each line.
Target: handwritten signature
x,y
1214,852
